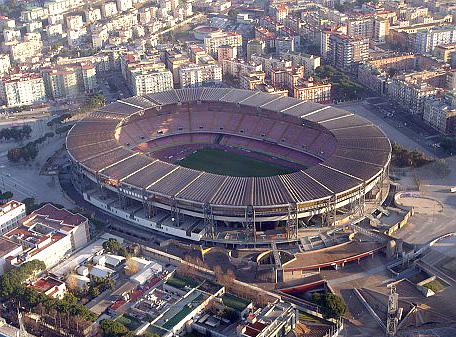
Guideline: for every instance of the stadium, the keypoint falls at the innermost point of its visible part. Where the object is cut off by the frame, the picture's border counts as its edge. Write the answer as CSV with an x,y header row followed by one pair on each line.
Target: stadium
x,y
231,166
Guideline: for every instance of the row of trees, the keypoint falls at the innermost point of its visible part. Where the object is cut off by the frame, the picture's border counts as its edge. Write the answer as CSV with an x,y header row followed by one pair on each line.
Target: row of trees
x,y
31,205
59,119
29,151
343,87
112,328
13,288
5,196
16,133
404,158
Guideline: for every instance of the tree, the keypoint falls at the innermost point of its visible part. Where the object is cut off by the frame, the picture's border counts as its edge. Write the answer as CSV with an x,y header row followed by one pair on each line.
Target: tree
x,y
112,328
131,267
112,246
72,282
5,196
332,305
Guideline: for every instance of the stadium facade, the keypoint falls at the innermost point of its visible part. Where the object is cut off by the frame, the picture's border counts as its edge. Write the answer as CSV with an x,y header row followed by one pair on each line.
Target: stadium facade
x,y
124,162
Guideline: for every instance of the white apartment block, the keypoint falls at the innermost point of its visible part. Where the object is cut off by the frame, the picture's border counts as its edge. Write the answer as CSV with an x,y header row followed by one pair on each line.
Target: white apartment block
x,y
74,22
313,92
61,6
215,40
56,19
25,51
150,81
440,113
34,26
269,63
360,27
411,94
7,23
54,30
310,62
239,68
195,75
108,9
10,214
8,250
75,37
49,234
22,89
427,40
381,30
70,80
92,15
279,11
100,37
10,35
5,64
34,14
123,5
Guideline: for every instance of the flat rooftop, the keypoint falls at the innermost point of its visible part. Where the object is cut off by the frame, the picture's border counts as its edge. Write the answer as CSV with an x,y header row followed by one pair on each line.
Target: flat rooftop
x,y
7,246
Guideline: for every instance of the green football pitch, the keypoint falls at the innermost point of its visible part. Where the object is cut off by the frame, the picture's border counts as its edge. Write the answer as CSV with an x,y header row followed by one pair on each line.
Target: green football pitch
x,y
231,164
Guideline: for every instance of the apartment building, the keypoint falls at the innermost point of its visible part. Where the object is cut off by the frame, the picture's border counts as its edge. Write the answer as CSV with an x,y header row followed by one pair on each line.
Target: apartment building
x,y
48,234
197,75
445,52
174,60
8,250
381,30
226,52
124,5
310,91
310,62
255,47
61,6
427,40
287,78
70,80
346,52
148,81
217,39
361,26
25,50
10,214
411,92
108,9
5,64
440,113
22,89
279,12
239,68
269,63
251,80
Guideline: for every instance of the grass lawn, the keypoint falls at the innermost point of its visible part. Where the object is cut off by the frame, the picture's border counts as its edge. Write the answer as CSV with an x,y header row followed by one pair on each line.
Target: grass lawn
x,y
231,164
130,322
234,302
436,286
180,282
